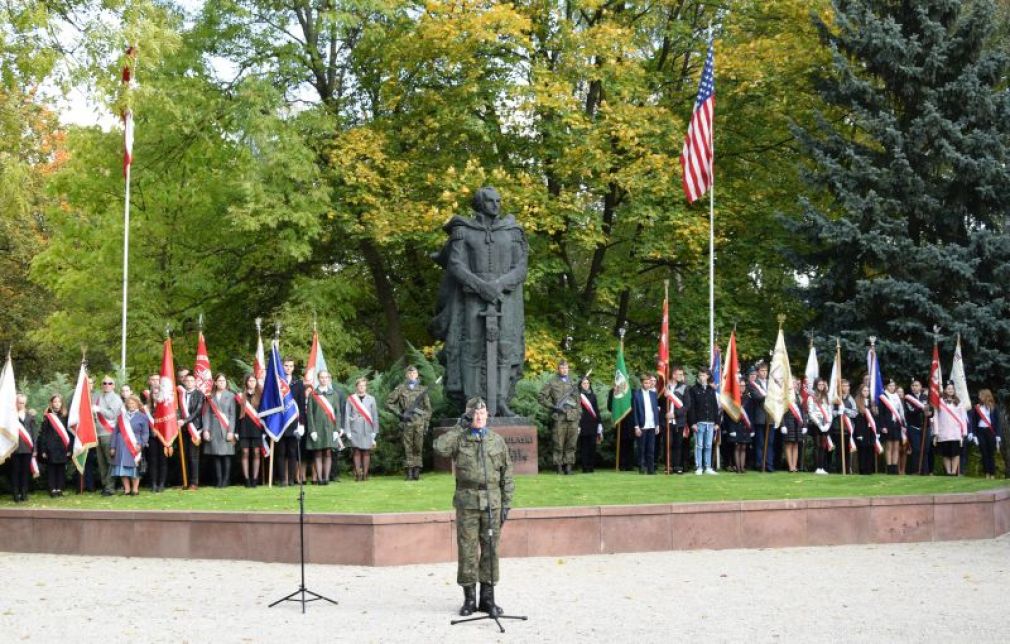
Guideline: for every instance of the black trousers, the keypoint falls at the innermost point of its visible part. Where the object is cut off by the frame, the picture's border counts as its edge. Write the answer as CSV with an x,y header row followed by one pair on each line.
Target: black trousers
x,y
587,452
192,461
915,440
21,473
987,447
157,464
286,458
820,450
56,475
677,448
866,458
222,471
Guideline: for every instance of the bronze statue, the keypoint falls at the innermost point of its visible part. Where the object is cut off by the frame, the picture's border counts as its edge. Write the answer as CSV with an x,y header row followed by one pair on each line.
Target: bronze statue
x,y
479,313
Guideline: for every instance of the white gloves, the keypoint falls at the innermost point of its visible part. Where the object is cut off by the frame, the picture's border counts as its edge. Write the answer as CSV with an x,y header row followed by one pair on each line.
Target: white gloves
x,y
784,430
599,429
732,434
300,431
314,436
803,430
336,435
373,435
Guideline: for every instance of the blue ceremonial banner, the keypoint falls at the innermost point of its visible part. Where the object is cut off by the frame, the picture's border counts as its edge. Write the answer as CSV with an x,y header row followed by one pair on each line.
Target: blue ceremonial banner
x,y
716,368
876,382
277,410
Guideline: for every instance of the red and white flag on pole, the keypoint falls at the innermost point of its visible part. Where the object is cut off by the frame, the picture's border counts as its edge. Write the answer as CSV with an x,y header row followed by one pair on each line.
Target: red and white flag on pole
x,y
259,362
935,379
696,159
166,422
201,368
131,59
315,365
81,420
663,359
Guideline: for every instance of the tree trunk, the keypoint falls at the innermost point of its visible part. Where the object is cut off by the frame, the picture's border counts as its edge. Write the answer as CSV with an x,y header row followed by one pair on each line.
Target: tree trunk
x,y
393,337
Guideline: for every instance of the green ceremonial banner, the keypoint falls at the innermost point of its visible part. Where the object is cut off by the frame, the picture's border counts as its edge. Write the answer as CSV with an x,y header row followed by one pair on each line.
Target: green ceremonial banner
x,y
622,389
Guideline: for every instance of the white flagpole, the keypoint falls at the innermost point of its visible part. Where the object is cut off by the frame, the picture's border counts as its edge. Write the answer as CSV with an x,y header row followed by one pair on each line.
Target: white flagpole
x,y
711,226
126,267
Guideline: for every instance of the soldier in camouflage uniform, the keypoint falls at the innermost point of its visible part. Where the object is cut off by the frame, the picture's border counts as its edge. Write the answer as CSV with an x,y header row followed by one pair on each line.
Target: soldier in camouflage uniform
x,y
412,405
483,480
559,395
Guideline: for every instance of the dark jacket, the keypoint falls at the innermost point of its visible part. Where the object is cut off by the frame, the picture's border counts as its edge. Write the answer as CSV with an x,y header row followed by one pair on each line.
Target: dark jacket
x,y
757,413
679,415
31,423
704,405
638,407
50,446
976,426
588,422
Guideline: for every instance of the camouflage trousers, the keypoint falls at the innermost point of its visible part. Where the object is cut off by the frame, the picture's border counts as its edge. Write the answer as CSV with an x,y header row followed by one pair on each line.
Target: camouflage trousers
x,y
474,547
566,437
413,444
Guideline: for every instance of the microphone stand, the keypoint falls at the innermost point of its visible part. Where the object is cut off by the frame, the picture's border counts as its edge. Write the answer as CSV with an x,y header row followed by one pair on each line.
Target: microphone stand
x,y
302,590
494,554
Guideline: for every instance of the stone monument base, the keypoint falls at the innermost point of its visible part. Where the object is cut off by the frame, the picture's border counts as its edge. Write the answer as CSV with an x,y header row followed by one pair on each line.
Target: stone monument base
x,y
520,435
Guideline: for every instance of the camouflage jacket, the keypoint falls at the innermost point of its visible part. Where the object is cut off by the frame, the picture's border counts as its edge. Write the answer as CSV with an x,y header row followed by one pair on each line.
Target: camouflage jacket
x,y
554,392
403,398
464,448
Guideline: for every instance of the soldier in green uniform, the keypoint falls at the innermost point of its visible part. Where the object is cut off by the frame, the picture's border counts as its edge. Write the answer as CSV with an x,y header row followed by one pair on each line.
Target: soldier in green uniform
x,y
412,405
483,480
559,395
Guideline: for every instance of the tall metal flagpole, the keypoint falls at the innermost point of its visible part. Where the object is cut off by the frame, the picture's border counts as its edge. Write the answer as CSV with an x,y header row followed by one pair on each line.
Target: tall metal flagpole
x,y
711,223
126,268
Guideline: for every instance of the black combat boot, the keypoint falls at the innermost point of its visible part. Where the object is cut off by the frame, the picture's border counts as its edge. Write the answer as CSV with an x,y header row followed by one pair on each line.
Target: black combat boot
x,y
469,601
486,605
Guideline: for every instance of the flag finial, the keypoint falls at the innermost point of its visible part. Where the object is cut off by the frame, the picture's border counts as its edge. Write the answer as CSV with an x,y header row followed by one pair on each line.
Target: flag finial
x,y
873,341
314,319
621,330
199,322
781,317
168,331
277,330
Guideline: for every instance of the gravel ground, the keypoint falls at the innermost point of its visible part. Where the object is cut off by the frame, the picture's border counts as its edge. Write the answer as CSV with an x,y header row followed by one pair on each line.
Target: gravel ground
x,y
953,591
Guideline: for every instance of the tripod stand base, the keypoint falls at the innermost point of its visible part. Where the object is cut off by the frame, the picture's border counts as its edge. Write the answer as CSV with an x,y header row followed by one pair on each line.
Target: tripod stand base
x,y
303,591
496,619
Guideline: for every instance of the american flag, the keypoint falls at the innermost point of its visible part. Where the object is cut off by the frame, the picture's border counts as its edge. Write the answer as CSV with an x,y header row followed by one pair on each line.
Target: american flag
x,y
696,159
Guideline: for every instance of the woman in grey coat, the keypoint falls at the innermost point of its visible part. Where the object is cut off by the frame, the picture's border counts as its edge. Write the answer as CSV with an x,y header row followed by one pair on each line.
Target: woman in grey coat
x,y
219,429
361,424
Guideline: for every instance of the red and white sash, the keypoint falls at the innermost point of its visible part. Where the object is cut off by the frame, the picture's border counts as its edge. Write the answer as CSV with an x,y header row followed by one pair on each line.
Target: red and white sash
x,y
915,402
265,447
588,406
825,415
361,410
672,396
34,466
877,447
129,438
953,414
104,422
828,443
25,436
184,412
225,425
325,404
847,427
249,411
884,398
57,425
761,390
984,418
745,418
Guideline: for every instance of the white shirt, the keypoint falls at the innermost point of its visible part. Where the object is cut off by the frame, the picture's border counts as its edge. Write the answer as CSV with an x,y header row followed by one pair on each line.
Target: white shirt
x,y
650,421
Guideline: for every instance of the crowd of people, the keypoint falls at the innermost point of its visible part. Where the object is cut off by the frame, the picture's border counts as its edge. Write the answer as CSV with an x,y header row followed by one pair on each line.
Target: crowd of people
x,y
685,427
216,428
678,429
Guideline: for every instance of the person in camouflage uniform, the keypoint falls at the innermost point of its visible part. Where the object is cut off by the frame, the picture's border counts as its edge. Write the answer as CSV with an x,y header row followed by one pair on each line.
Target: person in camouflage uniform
x,y
412,405
559,395
483,482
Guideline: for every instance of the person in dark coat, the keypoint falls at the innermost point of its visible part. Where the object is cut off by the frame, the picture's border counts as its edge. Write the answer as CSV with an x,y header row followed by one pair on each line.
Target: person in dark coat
x,y
793,428
757,389
219,430
645,410
739,434
984,424
21,459
250,430
864,433
674,406
590,426
293,441
55,443
703,419
624,435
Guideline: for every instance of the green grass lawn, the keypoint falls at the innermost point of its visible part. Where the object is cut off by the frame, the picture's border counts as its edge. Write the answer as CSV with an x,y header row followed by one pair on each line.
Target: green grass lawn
x,y
434,492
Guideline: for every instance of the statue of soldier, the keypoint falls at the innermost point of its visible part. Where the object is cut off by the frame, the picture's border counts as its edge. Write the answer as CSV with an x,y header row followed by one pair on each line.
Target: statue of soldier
x,y
412,405
483,482
560,396
480,304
